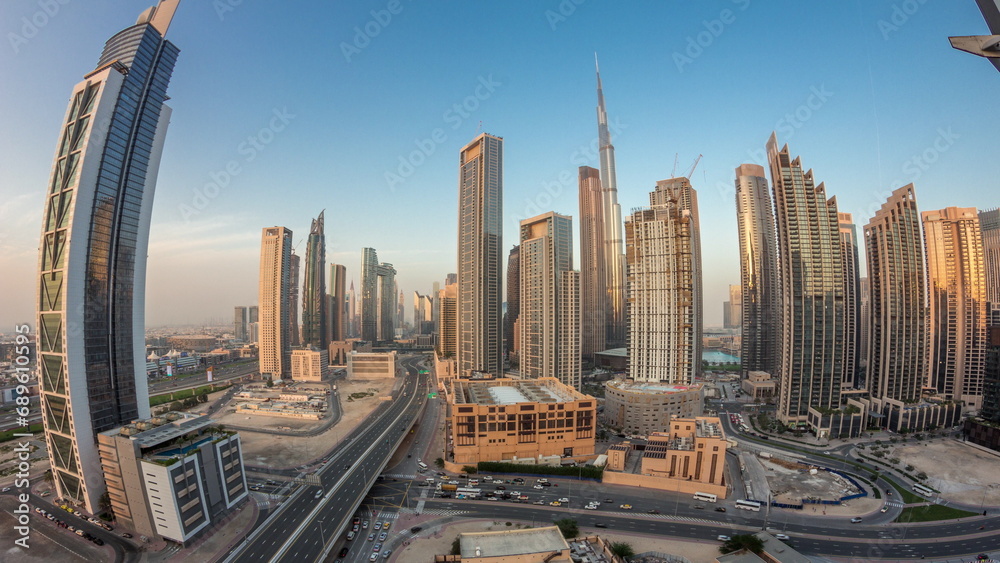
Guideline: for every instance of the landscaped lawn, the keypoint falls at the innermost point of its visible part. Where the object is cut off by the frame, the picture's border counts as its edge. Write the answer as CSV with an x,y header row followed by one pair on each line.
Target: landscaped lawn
x,y
931,513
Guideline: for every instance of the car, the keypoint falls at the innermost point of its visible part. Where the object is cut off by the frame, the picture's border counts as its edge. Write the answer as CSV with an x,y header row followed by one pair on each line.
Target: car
x,y
127,535
500,488
364,524
653,511
538,487
600,525
590,507
371,537
625,506
382,536
546,484
522,497
856,520
378,525
555,503
377,547
356,520
373,557
609,501
782,537
722,537
720,508
539,502
492,498
698,506
885,508
564,499
415,529
98,541
386,553
5,489
343,552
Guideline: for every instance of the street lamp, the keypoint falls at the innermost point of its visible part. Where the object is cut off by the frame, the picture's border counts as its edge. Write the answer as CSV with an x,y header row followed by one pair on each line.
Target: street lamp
x,y
322,533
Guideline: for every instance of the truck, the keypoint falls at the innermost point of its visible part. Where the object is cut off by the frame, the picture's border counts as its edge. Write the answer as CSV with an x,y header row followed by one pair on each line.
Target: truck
x,y
765,455
447,487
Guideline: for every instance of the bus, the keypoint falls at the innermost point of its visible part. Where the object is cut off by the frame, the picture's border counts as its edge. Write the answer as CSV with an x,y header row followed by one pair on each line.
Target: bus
x,y
422,466
468,492
753,505
918,488
705,497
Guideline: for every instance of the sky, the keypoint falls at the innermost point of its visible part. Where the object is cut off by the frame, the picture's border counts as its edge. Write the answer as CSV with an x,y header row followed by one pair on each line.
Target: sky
x,y
283,109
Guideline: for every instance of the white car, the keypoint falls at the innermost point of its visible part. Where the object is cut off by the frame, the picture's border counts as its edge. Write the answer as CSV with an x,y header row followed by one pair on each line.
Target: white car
x,y
722,538
564,499
782,537
590,507
539,487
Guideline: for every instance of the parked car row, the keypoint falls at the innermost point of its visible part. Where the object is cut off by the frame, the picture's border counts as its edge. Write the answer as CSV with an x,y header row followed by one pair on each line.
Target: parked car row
x,y
85,535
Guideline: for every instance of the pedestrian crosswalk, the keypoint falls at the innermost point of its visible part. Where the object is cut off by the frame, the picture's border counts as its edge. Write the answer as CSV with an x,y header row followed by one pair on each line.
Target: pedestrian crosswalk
x,y
434,511
399,476
668,517
895,503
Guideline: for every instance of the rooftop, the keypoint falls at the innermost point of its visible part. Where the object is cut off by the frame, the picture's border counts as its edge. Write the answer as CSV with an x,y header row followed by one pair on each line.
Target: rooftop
x,y
512,542
513,391
654,388
159,429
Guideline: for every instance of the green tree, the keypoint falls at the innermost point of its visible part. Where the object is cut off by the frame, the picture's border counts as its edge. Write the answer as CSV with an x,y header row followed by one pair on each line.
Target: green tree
x,y
568,527
456,547
439,462
270,383
622,549
748,542
469,469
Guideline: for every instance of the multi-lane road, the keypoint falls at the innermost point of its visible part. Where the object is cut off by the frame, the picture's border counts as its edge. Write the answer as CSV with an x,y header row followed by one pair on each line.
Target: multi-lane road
x,y
315,516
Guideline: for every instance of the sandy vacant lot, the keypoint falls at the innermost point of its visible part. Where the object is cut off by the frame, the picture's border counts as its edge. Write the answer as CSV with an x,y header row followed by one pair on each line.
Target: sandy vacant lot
x,y
288,451
790,483
961,472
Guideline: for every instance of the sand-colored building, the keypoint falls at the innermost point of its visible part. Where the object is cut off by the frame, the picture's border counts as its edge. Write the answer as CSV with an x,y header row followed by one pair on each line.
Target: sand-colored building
x,y
365,365
641,408
310,365
758,384
512,546
507,420
690,458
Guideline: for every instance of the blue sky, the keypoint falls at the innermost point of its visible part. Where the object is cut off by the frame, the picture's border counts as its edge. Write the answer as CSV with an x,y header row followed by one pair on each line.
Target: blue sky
x,y
309,105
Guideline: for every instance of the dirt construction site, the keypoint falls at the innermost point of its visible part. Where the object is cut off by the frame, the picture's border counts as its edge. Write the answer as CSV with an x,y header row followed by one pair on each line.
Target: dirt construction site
x,y
962,472
791,482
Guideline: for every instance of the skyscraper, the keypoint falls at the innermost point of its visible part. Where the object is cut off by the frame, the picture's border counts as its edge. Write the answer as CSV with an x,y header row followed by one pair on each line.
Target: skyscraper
x,y
664,333
761,311
897,305
812,286
315,330
733,311
275,346
369,295
957,283
92,265
614,255
513,303
596,312
480,238
240,324
338,313
989,226
852,300
293,299
546,255
352,307
253,324
447,340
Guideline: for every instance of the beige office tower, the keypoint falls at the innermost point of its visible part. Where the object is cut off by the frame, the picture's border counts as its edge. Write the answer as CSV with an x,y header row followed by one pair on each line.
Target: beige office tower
x,y
732,312
897,302
989,226
957,281
812,288
852,300
275,347
447,328
480,271
546,257
664,331
761,312
597,314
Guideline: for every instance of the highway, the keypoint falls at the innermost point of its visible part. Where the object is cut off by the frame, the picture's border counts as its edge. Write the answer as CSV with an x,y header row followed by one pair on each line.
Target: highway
x,y
313,517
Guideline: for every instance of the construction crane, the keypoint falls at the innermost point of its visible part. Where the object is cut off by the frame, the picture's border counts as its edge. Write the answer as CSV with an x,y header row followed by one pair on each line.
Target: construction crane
x,y
673,174
693,166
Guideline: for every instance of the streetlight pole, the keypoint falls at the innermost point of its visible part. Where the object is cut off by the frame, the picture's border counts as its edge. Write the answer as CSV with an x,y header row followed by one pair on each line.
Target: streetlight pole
x,y
322,533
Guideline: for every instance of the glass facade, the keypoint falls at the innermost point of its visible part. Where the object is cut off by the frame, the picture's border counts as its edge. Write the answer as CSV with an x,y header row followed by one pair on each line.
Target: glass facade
x,y
314,300
90,292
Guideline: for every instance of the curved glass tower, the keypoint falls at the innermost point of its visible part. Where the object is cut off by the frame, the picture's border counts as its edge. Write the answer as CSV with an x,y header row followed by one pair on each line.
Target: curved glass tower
x,y
92,262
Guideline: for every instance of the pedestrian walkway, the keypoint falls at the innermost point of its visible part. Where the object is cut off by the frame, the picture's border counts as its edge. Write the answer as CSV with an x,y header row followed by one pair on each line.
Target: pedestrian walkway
x,y
399,476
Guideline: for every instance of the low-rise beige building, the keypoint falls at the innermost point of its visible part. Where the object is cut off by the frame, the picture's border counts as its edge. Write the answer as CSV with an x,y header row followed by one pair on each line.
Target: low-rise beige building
x,y
759,385
371,365
639,408
690,458
512,419
310,365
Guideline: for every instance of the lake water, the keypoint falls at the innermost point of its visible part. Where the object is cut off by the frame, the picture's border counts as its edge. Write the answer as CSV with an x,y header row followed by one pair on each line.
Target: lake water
x,y
715,356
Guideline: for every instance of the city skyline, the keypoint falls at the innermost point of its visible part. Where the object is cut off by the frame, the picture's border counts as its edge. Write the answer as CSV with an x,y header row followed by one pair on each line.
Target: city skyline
x,y
941,154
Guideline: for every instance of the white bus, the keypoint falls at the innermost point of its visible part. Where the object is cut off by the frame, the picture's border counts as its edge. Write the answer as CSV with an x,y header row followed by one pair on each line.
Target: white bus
x,y
468,492
753,505
705,497
422,466
918,488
